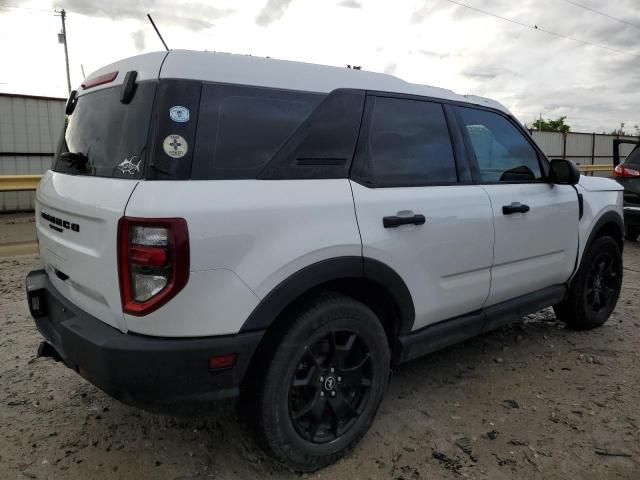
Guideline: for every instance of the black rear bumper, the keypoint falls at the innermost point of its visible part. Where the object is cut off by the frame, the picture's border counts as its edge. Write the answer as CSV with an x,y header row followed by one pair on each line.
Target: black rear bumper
x,y
151,372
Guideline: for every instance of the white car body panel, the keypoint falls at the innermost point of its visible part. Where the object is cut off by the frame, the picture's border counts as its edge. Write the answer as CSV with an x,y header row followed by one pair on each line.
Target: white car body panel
x,y
536,249
599,184
446,262
214,302
600,195
89,256
263,231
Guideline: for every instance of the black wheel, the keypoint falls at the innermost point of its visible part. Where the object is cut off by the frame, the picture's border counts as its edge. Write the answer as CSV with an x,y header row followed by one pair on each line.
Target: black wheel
x,y
595,289
324,383
633,231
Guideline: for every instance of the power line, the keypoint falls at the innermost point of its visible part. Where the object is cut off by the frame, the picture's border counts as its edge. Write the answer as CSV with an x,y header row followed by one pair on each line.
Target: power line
x,y
603,14
549,32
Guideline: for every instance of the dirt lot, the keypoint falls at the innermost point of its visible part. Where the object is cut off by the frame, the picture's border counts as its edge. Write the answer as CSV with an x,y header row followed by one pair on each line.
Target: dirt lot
x,y
529,401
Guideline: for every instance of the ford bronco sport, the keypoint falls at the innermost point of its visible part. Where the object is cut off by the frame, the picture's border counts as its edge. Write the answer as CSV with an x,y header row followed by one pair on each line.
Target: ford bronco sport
x,y
217,225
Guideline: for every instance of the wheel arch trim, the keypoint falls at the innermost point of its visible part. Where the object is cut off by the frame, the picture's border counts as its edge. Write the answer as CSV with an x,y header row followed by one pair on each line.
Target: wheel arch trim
x,y
609,217
325,271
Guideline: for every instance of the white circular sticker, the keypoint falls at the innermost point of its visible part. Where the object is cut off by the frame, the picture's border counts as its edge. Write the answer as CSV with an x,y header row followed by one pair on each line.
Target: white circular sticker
x,y
179,114
175,146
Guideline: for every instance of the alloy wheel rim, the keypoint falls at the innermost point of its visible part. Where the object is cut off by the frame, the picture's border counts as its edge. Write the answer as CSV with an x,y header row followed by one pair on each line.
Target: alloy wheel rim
x,y
331,386
602,283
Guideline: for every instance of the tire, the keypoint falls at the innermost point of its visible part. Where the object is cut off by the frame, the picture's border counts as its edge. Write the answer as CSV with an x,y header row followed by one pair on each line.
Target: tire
x,y
298,422
594,291
633,232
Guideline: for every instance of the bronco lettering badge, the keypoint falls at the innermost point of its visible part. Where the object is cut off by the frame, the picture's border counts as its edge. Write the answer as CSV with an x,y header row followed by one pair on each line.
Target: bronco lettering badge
x,y
59,224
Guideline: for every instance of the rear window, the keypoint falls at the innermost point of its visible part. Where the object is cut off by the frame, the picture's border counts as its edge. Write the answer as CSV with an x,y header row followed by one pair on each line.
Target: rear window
x,y
241,128
106,138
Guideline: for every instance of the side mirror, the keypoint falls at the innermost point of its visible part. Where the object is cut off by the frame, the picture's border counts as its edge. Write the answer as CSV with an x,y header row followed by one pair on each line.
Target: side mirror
x,y
563,172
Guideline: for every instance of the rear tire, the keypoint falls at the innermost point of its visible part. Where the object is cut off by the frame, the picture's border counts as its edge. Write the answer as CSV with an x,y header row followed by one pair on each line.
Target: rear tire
x,y
594,291
633,231
324,383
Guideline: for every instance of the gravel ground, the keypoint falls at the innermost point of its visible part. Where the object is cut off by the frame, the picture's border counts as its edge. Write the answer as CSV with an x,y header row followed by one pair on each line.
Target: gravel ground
x,y
533,400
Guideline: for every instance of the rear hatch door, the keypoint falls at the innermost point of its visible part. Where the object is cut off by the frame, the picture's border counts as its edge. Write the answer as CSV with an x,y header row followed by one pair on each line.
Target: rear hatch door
x,y
77,225
101,157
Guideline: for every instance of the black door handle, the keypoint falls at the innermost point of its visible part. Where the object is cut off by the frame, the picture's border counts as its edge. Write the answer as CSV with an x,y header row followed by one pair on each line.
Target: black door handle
x,y
393,222
515,207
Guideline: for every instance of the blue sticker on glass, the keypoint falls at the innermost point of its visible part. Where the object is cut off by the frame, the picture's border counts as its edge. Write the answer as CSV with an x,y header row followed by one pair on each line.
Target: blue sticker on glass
x,y
179,114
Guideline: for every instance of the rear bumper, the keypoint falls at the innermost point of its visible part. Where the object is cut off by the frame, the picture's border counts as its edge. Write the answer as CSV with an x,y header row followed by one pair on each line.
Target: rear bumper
x,y
139,370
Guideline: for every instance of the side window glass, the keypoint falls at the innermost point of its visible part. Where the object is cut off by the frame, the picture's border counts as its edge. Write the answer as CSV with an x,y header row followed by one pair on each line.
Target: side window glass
x,y
502,152
241,128
408,144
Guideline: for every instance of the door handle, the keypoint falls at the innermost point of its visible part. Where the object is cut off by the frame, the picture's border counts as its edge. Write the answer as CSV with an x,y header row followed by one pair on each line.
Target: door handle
x,y
394,221
515,207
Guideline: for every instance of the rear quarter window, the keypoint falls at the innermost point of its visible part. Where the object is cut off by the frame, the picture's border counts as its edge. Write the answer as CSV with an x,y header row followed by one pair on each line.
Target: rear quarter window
x,y
241,128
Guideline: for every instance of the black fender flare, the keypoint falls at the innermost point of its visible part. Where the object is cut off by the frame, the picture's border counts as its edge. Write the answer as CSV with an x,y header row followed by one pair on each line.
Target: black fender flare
x,y
607,217
339,268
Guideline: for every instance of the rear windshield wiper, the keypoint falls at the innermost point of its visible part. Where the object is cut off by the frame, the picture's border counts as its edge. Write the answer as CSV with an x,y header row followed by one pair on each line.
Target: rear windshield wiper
x,y
75,160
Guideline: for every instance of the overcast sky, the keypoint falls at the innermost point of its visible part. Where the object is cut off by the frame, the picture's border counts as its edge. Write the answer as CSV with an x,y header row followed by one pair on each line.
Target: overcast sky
x,y
433,42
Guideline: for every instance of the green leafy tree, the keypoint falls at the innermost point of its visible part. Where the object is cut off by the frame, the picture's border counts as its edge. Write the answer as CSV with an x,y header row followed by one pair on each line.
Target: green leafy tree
x,y
550,125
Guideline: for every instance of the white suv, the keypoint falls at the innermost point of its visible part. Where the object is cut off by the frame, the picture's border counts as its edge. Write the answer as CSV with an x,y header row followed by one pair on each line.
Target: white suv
x,y
217,225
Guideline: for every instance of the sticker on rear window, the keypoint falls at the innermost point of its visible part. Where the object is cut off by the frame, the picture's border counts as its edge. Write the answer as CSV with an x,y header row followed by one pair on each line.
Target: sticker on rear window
x,y
179,114
127,166
175,146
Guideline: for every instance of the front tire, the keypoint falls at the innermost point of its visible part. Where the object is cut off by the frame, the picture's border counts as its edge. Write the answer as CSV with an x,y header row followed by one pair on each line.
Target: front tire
x,y
324,383
595,289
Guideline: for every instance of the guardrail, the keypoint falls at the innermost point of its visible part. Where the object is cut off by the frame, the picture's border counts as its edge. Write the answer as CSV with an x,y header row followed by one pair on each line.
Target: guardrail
x,y
595,168
19,183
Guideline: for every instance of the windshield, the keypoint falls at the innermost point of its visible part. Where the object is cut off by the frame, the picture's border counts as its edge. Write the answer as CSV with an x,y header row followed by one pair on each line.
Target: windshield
x,y
106,138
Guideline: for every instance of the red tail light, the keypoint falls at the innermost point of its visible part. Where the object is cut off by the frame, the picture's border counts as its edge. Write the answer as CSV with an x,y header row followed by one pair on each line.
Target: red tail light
x,y
624,171
153,262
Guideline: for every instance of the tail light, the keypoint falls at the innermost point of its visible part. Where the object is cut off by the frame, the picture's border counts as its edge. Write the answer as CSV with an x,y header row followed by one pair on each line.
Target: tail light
x,y
99,80
624,171
153,262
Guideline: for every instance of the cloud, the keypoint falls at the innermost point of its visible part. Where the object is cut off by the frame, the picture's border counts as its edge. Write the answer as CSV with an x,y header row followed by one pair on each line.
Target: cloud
x,y
487,72
431,54
138,39
349,4
193,16
391,68
272,11
531,71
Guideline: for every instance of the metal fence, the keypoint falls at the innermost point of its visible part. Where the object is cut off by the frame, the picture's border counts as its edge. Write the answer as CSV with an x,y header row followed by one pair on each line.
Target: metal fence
x,y
29,130
582,148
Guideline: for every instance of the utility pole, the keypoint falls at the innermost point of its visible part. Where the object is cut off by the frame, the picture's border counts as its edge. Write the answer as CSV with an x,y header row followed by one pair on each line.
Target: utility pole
x,y
62,38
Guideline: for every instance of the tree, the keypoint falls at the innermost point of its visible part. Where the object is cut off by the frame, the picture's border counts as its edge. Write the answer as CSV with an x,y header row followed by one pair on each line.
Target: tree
x,y
550,125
